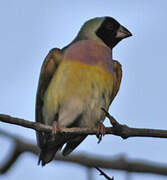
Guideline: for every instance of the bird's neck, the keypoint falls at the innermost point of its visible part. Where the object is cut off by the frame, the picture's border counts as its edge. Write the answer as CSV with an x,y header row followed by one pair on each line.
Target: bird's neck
x,y
90,52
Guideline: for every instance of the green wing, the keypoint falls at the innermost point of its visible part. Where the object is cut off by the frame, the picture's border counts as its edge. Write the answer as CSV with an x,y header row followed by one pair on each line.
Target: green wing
x,y
49,66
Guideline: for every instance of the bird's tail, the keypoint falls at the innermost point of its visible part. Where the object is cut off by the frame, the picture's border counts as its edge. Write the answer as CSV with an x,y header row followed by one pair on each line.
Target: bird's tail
x,y
51,147
72,143
48,152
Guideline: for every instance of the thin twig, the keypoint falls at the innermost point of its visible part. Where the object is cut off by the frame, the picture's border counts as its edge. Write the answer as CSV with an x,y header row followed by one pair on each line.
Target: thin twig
x,y
104,174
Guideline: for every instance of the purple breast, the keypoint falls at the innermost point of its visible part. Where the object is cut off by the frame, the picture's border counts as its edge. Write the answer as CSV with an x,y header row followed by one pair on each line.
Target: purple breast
x,y
90,52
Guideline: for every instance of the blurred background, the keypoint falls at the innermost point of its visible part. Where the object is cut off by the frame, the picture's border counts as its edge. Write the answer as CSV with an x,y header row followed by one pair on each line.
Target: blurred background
x,y
29,29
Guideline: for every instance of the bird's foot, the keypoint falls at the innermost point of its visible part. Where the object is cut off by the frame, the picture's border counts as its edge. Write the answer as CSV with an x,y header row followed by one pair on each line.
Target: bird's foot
x,y
55,127
101,131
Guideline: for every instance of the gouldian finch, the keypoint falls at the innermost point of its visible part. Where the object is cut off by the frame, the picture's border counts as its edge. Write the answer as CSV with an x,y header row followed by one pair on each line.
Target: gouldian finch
x,y
75,83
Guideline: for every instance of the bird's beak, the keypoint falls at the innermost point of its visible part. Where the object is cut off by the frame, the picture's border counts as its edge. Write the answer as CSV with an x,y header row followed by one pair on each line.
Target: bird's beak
x,y
123,33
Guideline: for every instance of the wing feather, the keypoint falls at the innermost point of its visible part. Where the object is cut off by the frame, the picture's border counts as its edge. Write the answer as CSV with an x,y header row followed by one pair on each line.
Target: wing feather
x,y
49,67
117,79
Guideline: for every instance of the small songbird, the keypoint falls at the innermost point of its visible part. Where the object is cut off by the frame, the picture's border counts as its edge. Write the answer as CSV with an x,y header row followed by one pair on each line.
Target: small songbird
x,y
75,83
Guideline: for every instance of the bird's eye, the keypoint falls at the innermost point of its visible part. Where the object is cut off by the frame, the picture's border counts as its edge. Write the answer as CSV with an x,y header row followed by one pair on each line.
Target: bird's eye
x,y
109,26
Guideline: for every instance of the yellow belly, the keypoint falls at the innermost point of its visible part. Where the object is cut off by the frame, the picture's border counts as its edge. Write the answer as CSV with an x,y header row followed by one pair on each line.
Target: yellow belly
x,y
75,80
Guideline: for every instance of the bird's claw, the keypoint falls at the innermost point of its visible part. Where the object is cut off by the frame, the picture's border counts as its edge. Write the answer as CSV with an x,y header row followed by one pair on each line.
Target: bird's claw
x,y
55,127
101,131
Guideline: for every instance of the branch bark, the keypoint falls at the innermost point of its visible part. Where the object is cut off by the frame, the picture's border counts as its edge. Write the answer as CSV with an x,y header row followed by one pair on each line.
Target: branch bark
x,y
119,163
120,130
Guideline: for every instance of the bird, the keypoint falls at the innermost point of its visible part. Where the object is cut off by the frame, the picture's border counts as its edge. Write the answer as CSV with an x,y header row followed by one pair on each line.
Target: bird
x,y
75,83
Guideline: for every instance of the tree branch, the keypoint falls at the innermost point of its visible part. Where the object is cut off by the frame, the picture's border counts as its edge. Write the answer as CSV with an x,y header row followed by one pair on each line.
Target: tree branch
x,y
120,163
120,130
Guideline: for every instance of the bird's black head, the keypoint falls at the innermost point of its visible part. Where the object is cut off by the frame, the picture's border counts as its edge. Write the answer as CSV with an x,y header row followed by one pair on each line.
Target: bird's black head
x,y
111,32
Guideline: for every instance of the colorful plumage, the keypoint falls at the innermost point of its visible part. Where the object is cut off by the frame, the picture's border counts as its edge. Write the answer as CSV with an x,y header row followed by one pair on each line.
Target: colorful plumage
x,y
76,82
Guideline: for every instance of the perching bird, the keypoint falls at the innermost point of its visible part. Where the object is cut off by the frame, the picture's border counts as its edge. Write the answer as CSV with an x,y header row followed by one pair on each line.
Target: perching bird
x,y
76,82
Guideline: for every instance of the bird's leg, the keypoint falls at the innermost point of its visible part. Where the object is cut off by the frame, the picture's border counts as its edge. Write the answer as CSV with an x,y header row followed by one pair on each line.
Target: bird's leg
x,y
101,131
55,127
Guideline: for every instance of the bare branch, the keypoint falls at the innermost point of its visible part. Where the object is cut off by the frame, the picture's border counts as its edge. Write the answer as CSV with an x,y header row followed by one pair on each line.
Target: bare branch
x,y
20,146
87,161
118,129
